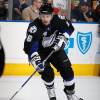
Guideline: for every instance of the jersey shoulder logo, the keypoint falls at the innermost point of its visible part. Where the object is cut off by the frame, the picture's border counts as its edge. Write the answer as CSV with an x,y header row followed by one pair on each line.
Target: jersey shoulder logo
x,y
32,29
61,17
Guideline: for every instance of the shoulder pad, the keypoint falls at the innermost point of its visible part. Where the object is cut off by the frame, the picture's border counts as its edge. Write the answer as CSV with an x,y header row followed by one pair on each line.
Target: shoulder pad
x,y
62,17
32,29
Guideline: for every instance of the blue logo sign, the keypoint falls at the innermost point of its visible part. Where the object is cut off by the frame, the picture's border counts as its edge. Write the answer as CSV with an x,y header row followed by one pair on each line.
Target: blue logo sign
x,y
69,44
84,41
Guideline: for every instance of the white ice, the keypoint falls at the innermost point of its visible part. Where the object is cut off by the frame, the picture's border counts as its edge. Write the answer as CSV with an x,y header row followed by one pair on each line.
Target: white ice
x,y
86,87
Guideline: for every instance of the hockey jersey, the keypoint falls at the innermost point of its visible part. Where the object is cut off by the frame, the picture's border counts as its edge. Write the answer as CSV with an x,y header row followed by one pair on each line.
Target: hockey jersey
x,y
41,37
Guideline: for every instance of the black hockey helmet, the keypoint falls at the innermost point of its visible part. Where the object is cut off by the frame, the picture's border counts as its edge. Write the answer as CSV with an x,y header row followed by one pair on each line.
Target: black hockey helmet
x,y
46,9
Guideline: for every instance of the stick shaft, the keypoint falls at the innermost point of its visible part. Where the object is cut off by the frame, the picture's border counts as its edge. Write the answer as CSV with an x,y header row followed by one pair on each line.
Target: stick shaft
x,y
22,85
30,77
49,55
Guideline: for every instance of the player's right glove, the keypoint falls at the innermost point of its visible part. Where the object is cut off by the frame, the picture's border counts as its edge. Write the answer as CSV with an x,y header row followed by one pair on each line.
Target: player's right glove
x,y
58,43
36,62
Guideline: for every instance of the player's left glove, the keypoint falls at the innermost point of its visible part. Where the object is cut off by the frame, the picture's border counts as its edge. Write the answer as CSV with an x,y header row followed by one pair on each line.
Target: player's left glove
x,y
36,62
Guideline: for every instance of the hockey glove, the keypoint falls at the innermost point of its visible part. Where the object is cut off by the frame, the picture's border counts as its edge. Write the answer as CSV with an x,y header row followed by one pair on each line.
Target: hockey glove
x,y
36,62
58,43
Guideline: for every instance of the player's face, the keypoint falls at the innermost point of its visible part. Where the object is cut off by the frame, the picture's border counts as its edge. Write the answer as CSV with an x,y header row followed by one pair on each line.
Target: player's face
x,y
46,18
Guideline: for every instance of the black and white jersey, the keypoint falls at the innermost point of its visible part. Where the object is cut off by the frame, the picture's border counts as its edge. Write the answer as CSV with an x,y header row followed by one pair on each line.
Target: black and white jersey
x,y
44,36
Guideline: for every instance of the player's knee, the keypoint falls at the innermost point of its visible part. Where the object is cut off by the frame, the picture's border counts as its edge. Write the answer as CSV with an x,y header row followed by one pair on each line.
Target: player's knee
x,y
68,78
67,72
48,74
70,89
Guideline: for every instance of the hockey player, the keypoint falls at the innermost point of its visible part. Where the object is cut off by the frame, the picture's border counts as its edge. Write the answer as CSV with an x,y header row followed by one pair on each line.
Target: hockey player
x,y
2,59
47,33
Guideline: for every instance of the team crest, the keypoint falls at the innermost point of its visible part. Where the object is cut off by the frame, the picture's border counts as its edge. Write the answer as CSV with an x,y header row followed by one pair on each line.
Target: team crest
x,y
84,41
32,29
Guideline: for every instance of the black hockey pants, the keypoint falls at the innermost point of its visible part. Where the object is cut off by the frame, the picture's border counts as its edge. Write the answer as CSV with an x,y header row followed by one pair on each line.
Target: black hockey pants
x,y
63,65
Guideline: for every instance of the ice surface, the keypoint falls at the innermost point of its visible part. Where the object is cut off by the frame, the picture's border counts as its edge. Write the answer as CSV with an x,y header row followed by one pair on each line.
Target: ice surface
x,y
86,87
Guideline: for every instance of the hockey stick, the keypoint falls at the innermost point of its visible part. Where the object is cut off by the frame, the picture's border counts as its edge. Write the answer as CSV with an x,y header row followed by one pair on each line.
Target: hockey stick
x,y
31,76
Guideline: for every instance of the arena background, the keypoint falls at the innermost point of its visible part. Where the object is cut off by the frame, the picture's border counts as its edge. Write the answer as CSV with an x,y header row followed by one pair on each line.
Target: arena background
x,y
84,49
85,59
